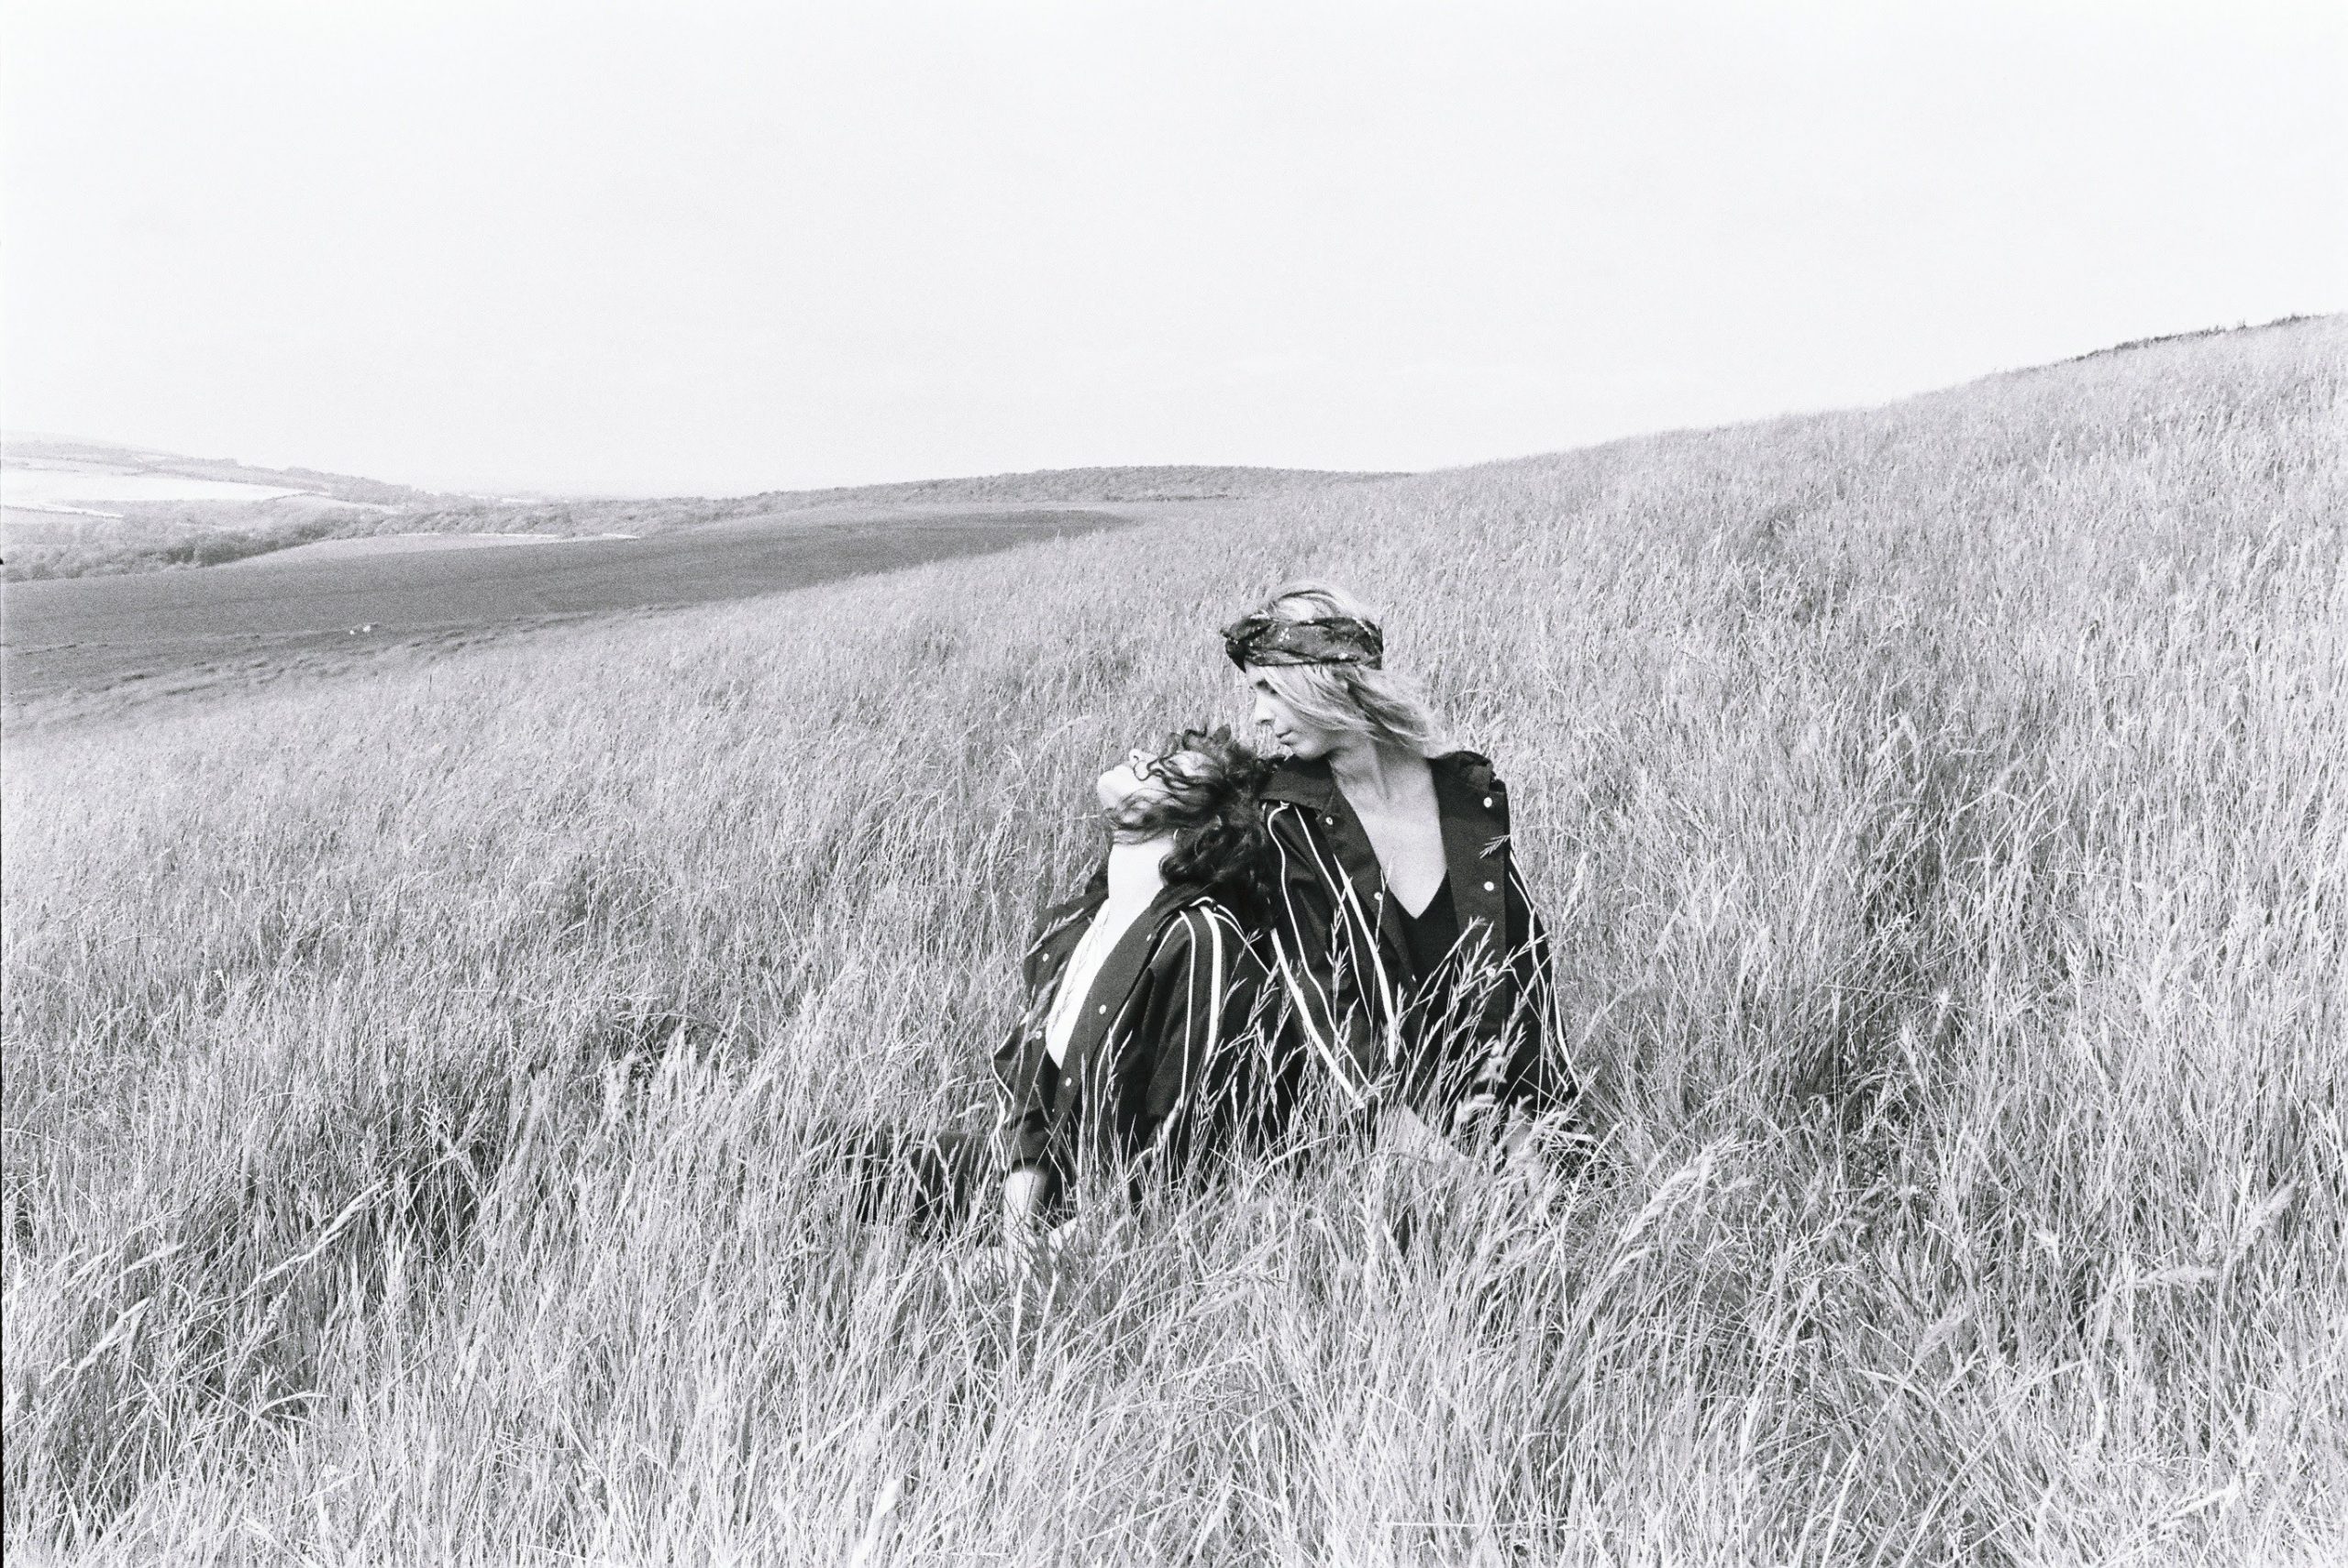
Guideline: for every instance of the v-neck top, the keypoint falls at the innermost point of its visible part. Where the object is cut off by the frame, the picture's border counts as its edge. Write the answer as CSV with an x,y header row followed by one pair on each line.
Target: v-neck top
x,y
1432,932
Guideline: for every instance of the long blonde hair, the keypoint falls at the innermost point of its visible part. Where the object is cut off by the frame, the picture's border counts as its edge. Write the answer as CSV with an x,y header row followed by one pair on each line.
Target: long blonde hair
x,y
1346,697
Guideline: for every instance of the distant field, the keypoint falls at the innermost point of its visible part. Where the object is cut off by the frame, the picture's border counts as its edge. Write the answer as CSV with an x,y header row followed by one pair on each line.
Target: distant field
x,y
374,547
66,468
91,635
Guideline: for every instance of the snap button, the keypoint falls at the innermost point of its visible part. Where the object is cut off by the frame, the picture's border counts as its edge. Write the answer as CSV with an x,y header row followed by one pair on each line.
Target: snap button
x,y
1488,887
1328,822
1105,1006
1487,800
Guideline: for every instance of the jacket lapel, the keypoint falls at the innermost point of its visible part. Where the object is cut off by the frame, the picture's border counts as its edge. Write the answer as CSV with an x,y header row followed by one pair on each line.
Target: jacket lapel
x,y
1104,1004
1475,850
1058,932
1364,909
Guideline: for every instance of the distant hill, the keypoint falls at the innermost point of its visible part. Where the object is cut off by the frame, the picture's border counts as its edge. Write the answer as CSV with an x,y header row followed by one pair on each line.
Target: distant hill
x,y
1171,482
85,508
2199,333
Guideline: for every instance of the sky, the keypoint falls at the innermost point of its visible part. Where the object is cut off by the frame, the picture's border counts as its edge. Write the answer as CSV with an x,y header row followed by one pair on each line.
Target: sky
x,y
709,248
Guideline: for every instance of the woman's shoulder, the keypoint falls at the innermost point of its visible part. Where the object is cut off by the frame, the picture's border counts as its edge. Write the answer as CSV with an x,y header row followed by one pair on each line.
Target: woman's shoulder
x,y
1200,920
1472,768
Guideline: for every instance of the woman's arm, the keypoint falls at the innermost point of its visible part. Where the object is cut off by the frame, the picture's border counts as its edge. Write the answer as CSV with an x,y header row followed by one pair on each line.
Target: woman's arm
x,y
1534,1077
1524,1080
1026,1079
1206,990
1316,988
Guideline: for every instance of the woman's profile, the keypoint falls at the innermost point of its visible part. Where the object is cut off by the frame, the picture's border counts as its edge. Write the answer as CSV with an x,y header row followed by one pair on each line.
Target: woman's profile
x,y
1134,1049
1412,964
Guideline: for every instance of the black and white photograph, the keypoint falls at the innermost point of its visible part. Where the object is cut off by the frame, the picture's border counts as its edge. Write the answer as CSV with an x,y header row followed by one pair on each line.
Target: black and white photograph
x,y
1104,783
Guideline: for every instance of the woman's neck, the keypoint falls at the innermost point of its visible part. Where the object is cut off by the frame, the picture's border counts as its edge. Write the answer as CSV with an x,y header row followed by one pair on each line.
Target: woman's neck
x,y
1137,868
1368,769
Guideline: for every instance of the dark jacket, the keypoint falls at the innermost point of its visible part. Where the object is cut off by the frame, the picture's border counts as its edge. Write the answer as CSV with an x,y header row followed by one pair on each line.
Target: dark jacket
x,y
1344,961
1158,1065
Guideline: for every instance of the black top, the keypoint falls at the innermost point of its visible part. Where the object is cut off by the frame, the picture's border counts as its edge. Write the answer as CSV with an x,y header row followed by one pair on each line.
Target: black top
x,y
1432,932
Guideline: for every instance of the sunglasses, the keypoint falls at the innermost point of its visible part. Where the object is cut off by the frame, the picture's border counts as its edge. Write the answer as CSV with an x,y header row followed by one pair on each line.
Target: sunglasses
x,y
1158,761
1161,764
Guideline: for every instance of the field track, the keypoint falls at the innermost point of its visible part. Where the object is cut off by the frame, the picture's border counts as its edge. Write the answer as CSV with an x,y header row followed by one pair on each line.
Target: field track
x,y
83,637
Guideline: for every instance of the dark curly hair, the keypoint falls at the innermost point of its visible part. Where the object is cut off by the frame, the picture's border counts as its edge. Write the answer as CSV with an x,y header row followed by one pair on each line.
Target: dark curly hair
x,y
1209,805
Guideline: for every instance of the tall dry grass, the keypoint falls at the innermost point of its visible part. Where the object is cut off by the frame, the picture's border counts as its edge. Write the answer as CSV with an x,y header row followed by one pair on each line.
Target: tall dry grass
x,y
1943,815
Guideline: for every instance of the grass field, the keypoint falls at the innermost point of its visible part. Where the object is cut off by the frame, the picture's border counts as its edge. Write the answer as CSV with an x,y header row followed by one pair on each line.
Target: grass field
x,y
1942,816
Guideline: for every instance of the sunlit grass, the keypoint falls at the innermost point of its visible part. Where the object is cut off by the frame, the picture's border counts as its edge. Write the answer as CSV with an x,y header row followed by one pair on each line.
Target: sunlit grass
x,y
412,1083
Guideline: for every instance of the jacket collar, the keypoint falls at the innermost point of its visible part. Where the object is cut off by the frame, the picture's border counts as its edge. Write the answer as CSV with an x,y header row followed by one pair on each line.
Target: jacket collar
x,y
1303,783
1070,913
1062,924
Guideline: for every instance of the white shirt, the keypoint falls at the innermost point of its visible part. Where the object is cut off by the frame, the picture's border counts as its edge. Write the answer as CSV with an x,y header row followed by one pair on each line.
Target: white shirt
x,y
1135,880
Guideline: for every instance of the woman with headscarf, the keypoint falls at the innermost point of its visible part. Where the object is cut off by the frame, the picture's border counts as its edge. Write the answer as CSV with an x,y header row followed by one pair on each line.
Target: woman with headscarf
x,y
1413,967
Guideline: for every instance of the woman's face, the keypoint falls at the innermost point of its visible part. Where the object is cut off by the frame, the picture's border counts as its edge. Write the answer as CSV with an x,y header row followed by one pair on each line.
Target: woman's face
x,y
1142,776
1289,731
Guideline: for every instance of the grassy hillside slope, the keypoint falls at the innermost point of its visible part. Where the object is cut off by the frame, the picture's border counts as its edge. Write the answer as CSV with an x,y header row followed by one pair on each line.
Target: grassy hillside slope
x,y
1941,811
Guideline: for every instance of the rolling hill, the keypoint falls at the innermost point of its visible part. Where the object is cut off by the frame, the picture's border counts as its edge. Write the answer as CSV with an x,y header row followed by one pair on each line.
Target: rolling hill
x,y
419,1079
77,508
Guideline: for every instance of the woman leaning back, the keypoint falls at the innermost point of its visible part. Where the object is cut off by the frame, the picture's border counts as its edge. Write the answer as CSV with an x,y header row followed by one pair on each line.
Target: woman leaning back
x,y
1138,1055
1412,964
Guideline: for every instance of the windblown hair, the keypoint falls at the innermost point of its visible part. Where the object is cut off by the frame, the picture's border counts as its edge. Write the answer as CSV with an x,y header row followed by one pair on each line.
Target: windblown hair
x,y
1376,702
1209,805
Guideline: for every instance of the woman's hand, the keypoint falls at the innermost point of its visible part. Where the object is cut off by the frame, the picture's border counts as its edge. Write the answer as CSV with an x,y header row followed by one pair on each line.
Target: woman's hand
x,y
1025,1191
1401,1133
1478,1117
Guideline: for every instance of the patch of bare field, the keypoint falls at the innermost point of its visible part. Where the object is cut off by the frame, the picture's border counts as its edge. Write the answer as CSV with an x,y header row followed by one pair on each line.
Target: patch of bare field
x,y
408,544
92,643
412,1081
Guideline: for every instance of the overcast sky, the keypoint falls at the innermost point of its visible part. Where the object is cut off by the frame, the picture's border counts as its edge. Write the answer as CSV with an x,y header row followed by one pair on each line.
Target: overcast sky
x,y
701,248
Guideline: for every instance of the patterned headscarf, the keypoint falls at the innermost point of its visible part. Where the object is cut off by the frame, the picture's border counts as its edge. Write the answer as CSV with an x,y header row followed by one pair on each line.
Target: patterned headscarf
x,y
1337,639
